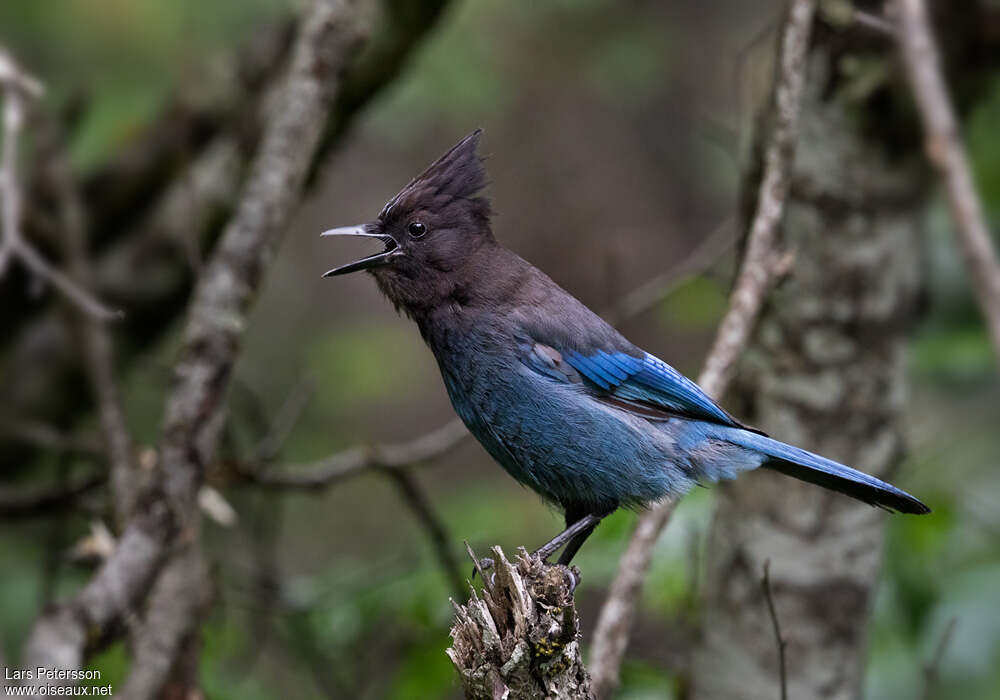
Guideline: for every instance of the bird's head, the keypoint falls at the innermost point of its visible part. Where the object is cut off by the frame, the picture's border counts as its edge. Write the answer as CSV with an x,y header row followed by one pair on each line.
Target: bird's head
x,y
430,230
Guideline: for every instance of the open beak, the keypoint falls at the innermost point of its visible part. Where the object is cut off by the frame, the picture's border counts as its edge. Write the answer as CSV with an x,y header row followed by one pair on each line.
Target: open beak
x,y
391,249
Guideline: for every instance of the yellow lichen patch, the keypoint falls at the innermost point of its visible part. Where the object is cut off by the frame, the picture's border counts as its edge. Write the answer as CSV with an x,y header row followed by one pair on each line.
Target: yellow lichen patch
x,y
546,647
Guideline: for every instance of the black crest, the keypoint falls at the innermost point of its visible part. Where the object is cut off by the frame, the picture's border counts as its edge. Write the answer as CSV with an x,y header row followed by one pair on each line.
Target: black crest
x,y
458,174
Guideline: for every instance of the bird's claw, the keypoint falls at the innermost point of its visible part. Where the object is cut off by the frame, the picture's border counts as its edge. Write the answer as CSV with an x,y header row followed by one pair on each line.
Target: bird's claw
x,y
575,576
485,564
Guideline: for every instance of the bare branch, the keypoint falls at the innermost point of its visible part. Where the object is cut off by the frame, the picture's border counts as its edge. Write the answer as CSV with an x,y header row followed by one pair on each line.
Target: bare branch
x,y
15,79
765,584
39,499
417,501
49,438
356,460
70,290
612,631
716,244
875,22
943,143
176,604
757,272
285,420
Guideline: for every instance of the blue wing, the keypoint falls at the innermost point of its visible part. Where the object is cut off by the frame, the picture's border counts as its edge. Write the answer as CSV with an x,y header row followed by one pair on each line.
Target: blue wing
x,y
644,380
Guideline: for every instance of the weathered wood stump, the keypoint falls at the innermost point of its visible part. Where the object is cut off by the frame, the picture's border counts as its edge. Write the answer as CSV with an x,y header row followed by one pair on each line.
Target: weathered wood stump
x,y
520,638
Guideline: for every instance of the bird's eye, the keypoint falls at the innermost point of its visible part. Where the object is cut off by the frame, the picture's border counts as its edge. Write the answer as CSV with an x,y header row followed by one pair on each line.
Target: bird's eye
x,y
416,229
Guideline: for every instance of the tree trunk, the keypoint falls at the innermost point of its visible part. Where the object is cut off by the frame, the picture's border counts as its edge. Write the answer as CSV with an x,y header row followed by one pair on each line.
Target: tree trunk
x,y
825,371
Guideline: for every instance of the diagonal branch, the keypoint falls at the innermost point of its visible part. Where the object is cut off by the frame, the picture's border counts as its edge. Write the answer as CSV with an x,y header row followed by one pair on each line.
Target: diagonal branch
x,y
416,500
757,273
943,143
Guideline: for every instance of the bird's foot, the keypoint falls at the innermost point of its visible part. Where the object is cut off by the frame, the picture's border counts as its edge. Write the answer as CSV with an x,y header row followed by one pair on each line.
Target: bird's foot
x,y
485,564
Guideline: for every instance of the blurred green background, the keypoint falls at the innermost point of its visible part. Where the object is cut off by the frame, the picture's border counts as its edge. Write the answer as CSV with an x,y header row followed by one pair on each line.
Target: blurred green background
x,y
338,594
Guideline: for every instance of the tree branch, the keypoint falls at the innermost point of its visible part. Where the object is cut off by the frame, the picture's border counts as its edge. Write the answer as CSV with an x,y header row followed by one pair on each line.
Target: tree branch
x,y
38,499
177,603
49,438
354,461
716,244
614,623
943,143
757,274
416,500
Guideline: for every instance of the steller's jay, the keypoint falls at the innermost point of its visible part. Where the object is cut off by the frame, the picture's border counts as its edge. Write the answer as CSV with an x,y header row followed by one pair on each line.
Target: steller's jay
x,y
557,396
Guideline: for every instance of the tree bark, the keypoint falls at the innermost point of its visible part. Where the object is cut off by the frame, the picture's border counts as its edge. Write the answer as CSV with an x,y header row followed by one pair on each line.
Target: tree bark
x,y
825,371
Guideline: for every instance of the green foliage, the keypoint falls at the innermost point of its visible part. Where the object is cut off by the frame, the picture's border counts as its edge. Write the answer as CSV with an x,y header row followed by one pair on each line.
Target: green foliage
x,y
954,353
361,365
643,680
696,305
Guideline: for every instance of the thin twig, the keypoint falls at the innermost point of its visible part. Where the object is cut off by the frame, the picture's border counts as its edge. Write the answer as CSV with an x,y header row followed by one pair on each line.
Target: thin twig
x,y
759,268
943,144
285,420
53,439
354,461
765,584
716,244
415,498
932,668
38,499
612,631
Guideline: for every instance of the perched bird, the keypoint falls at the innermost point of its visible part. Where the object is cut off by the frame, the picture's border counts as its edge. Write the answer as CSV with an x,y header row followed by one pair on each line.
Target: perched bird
x,y
557,396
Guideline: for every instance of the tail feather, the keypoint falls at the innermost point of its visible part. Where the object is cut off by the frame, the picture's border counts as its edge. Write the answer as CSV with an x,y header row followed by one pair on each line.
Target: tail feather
x,y
799,463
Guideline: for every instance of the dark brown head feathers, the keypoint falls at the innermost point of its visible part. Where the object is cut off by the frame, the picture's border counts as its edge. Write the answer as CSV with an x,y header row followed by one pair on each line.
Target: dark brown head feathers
x,y
458,174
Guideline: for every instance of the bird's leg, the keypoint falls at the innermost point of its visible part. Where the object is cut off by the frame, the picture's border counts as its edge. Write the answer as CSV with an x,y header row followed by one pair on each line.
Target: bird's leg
x,y
573,537
573,546
575,534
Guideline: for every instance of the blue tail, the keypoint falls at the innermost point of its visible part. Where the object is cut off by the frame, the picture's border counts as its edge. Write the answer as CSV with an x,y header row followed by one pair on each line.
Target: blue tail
x,y
824,472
